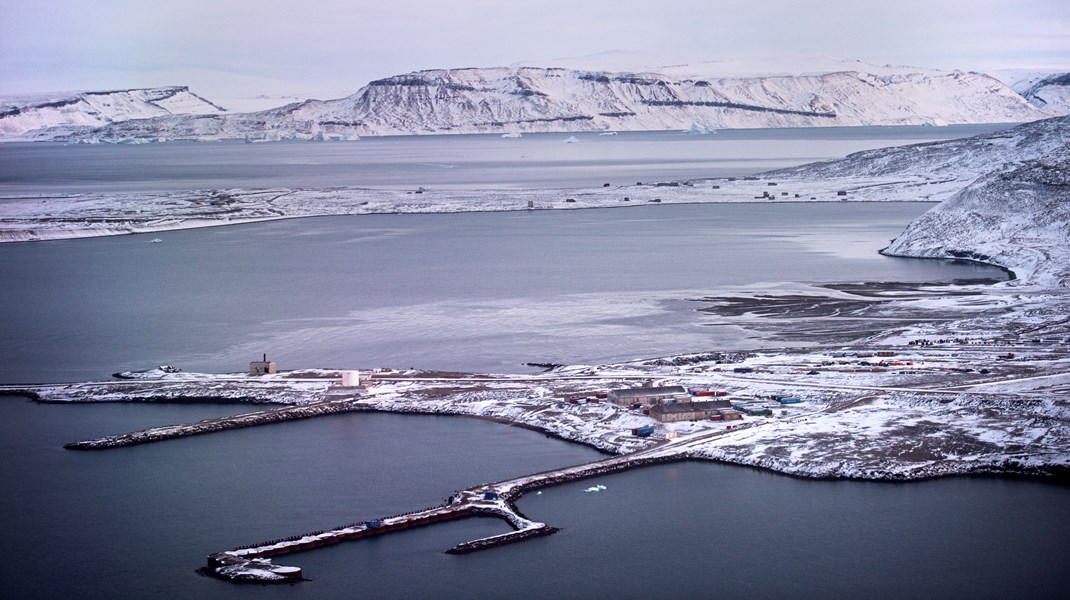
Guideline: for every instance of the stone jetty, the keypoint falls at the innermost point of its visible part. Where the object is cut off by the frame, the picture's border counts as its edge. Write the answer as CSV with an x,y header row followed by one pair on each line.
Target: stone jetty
x,y
253,563
253,419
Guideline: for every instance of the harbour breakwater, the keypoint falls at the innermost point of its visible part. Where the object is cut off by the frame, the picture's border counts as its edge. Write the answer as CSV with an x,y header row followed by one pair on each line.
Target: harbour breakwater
x,y
252,563
253,419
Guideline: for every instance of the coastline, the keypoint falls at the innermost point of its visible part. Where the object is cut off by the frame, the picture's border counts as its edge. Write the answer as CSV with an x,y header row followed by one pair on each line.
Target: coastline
x,y
73,216
855,422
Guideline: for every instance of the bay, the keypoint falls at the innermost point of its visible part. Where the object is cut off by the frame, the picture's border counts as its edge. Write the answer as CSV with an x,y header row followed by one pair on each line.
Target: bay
x,y
137,522
481,292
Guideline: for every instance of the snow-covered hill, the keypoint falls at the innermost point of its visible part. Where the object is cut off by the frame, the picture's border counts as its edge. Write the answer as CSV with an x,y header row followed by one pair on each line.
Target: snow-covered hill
x,y
1018,219
1006,196
78,111
1050,93
963,159
534,99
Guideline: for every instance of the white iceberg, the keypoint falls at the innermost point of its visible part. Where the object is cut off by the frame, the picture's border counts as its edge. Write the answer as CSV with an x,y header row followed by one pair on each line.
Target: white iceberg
x,y
697,129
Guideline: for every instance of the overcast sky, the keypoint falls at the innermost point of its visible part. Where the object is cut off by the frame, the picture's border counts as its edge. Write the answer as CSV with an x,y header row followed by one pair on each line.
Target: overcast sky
x,y
226,48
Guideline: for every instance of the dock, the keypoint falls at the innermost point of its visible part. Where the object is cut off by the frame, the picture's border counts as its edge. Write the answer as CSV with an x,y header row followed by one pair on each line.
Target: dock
x,y
253,563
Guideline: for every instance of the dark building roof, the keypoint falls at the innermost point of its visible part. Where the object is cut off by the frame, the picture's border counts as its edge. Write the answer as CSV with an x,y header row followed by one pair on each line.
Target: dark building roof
x,y
691,407
650,391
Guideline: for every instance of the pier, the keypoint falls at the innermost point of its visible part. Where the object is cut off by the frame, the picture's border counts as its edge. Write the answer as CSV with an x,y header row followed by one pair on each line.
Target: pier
x,y
253,419
253,563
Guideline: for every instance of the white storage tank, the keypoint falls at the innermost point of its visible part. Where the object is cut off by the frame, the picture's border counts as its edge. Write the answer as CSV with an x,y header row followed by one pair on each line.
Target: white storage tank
x,y
351,378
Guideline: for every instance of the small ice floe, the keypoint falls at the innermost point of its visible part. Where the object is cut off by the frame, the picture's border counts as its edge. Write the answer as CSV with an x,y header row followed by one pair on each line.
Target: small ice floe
x,y
511,135
608,133
571,139
155,241
538,493
595,488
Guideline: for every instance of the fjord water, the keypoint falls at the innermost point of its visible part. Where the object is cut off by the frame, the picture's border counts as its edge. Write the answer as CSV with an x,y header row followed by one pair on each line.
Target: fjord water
x,y
471,292
539,161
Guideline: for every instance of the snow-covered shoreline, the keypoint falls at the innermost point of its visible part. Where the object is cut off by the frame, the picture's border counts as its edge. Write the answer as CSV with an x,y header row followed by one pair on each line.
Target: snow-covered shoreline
x,y
977,405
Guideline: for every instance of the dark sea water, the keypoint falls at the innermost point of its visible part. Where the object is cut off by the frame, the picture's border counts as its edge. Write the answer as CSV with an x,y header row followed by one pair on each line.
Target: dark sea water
x,y
470,292
137,522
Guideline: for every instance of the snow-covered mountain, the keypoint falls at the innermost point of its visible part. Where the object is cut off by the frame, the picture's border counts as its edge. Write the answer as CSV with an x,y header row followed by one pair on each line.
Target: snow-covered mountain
x,y
1050,93
535,99
78,111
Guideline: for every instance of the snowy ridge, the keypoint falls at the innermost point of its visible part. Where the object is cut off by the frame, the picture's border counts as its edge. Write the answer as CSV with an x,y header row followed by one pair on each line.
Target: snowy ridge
x,y
963,159
703,67
1050,93
61,113
535,99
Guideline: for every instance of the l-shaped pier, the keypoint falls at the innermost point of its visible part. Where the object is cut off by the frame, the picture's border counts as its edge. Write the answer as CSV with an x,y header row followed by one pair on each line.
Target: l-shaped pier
x,y
253,563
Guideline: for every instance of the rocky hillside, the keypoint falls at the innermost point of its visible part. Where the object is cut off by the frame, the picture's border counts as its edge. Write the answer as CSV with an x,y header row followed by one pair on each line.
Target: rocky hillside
x,y
532,99
1018,219
55,115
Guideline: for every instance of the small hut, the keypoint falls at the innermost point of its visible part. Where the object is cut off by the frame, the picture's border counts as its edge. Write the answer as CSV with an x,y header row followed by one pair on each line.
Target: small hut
x,y
262,367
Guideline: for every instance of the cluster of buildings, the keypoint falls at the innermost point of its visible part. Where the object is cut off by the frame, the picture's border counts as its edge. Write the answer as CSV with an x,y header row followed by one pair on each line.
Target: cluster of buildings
x,y
670,404
348,378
